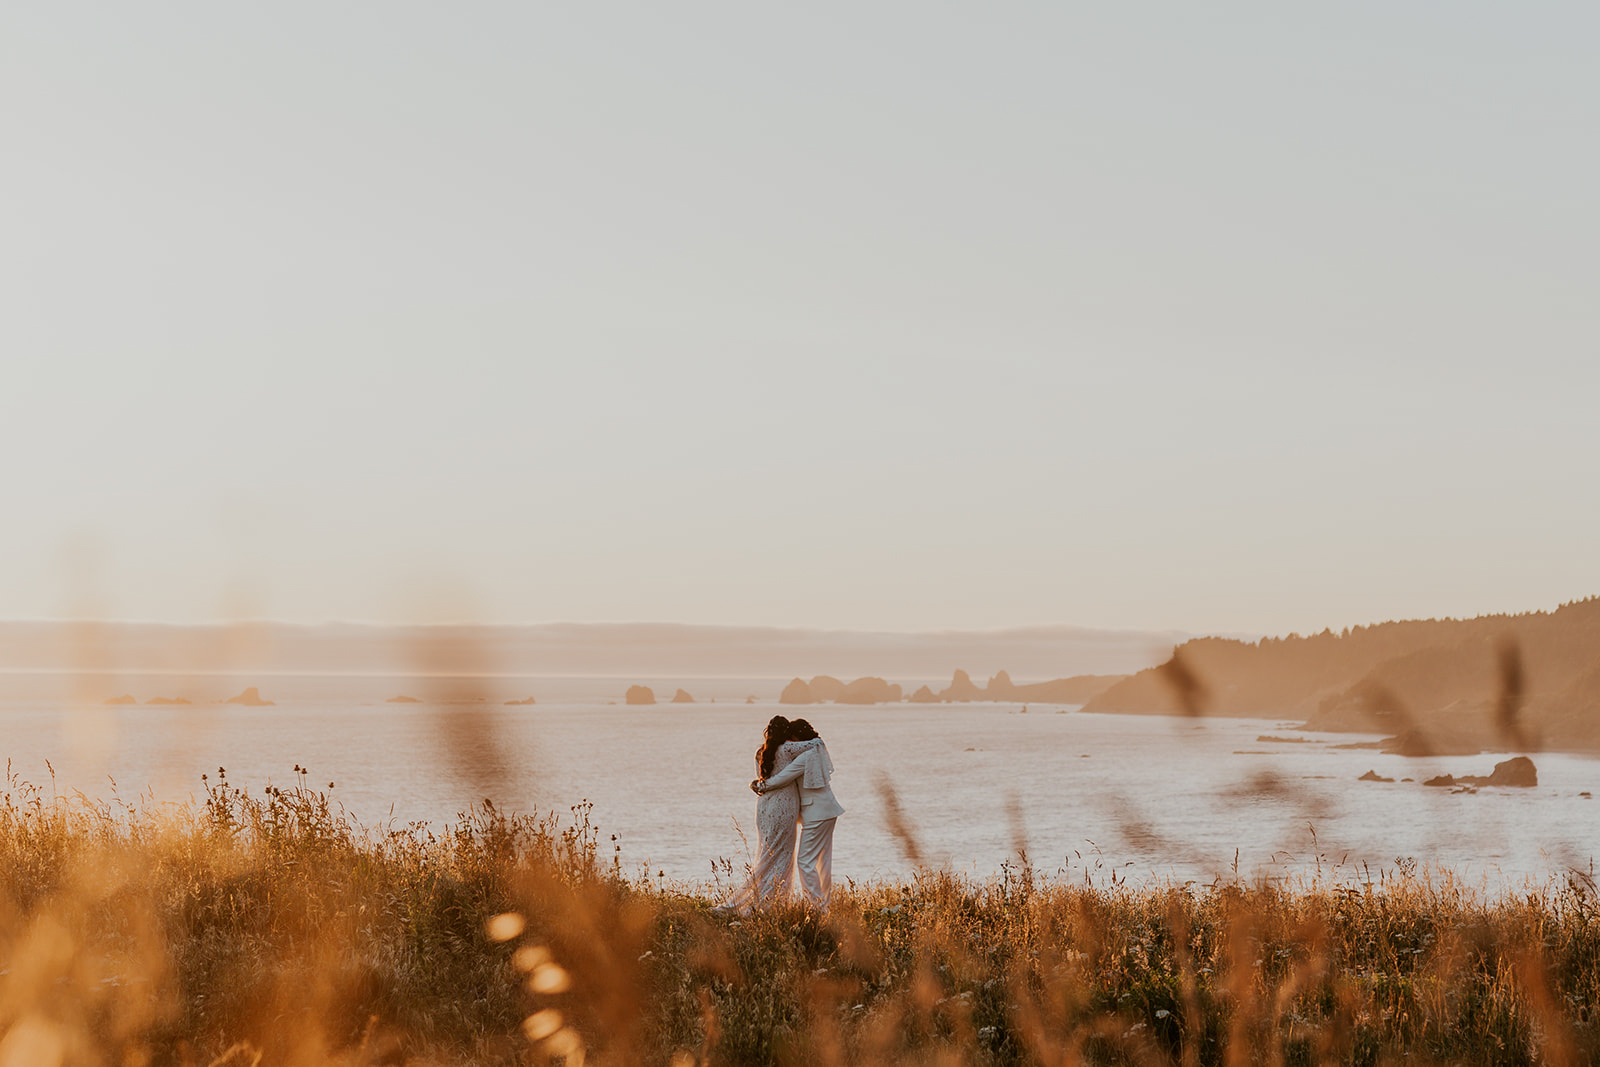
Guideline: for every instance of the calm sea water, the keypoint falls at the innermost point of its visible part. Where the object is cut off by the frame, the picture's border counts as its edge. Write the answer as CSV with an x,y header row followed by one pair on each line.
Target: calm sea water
x,y
1085,794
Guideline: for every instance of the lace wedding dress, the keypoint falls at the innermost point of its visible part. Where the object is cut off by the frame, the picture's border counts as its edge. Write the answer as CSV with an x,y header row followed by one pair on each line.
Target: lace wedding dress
x,y
777,821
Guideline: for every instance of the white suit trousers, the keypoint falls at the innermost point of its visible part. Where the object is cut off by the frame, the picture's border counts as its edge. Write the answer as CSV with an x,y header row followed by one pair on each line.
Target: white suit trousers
x,y
814,858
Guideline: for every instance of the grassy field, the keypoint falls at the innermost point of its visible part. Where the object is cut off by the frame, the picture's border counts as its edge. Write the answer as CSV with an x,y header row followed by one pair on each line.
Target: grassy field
x,y
264,927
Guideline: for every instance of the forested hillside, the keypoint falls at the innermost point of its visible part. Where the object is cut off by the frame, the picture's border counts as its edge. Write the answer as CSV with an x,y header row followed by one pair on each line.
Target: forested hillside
x,y
1459,684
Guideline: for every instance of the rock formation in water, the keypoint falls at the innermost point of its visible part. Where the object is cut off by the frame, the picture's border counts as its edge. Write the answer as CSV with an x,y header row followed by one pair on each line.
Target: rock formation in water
x,y
250,698
126,698
682,697
825,689
402,699
1079,689
519,703
1000,687
166,701
961,689
640,694
869,691
872,690
1517,772
1373,776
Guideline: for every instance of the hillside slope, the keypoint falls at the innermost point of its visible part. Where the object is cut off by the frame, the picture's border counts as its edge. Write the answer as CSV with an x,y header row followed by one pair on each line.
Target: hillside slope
x,y
1445,680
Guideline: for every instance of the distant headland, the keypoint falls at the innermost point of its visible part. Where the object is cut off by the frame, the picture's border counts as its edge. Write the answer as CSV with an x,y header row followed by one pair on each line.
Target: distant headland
x,y
1435,686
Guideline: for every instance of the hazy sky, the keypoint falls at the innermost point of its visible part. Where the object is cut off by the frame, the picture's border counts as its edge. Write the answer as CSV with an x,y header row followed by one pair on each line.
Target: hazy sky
x,y
908,315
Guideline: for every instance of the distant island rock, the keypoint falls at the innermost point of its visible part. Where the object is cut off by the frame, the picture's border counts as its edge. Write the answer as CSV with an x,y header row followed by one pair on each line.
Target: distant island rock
x,y
125,698
682,697
1517,772
168,701
868,691
962,691
1079,689
402,699
825,689
1373,776
640,694
250,698
519,703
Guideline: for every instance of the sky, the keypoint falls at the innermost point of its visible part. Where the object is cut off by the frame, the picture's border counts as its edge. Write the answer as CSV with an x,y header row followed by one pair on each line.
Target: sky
x,y
1226,317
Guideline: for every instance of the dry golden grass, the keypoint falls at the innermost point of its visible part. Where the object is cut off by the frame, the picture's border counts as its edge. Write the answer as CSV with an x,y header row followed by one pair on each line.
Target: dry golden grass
x,y
266,928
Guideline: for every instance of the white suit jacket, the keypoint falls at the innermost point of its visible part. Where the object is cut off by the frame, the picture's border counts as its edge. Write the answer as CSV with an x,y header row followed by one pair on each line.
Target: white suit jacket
x,y
812,769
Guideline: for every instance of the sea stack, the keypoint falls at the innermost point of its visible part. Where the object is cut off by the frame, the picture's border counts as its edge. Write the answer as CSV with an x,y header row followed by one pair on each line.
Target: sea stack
x,y
825,689
961,689
641,694
1001,687
682,697
250,698
869,691
1518,771
796,692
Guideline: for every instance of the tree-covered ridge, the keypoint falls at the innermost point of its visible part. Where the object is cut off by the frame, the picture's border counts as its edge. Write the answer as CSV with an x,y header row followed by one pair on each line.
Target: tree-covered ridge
x,y
1449,679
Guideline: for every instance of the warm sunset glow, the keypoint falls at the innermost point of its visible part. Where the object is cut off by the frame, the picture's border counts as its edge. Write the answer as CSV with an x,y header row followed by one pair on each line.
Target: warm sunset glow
x,y
913,320
748,535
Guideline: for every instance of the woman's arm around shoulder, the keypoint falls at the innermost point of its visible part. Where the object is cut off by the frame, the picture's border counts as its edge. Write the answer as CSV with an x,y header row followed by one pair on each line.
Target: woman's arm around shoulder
x,y
792,772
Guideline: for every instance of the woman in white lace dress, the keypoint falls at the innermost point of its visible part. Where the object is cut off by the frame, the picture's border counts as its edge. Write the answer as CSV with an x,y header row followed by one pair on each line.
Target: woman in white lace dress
x,y
777,821
810,769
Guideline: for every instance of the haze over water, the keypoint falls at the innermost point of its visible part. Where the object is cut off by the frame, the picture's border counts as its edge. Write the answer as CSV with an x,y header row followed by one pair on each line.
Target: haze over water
x,y
1146,796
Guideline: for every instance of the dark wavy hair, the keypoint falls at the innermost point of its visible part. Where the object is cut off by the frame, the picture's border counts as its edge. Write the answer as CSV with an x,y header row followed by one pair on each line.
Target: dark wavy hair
x,y
776,733
800,730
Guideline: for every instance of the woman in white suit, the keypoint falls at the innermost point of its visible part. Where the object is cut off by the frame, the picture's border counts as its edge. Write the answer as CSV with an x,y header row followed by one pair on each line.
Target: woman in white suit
x,y
810,769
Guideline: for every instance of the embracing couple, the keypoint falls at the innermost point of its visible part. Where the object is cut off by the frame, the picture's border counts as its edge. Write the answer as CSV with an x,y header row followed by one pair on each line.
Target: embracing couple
x,y
794,816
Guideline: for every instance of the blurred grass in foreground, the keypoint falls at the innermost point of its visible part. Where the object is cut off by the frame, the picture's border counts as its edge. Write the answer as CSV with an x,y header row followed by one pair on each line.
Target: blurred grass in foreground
x,y
265,927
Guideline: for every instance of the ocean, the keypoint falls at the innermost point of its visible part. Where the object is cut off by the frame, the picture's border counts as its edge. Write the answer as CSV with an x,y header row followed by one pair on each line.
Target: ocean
x,y
1081,796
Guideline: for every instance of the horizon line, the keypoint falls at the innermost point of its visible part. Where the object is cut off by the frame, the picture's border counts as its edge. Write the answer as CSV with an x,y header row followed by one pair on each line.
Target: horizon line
x,y
466,624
